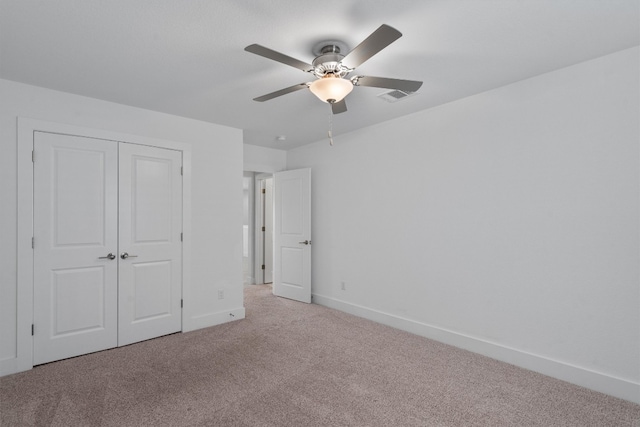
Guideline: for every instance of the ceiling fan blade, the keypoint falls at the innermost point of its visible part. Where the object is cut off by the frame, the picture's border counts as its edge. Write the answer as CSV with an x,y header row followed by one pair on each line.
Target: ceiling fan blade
x,y
277,56
378,40
403,85
281,92
339,107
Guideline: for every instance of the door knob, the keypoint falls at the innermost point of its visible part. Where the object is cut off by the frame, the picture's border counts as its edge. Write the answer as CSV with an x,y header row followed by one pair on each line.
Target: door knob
x,y
125,255
110,256
306,242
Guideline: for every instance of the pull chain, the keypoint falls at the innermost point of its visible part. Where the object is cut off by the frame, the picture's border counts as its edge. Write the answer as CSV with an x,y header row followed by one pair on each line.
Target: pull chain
x,y
330,133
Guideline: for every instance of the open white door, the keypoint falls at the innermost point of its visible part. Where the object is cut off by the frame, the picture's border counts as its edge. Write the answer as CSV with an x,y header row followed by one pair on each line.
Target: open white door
x,y
150,257
292,235
75,225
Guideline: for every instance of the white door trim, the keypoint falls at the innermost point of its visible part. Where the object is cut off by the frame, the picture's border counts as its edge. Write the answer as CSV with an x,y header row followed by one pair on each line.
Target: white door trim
x,y
250,228
26,127
258,253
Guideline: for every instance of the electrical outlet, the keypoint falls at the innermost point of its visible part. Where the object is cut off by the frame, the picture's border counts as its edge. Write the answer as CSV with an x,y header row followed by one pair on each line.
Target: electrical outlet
x,y
343,286
220,294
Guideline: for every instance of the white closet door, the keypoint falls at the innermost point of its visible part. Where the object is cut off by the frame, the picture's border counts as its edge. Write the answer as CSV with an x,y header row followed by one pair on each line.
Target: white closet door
x,y
75,230
150,256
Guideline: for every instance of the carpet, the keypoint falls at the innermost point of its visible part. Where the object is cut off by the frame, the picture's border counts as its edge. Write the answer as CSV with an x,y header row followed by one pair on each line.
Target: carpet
x,y
295,364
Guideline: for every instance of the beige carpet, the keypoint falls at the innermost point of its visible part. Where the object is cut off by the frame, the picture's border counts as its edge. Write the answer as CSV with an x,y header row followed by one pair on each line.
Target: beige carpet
x,y
292,364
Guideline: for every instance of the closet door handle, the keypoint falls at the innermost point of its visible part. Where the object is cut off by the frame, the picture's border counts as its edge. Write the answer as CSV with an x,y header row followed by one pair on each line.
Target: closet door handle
x,y
125,255
110,256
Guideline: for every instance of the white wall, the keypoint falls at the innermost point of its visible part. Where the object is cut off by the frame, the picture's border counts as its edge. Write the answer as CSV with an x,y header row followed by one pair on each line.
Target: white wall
x,y
263,159
505,223
216,196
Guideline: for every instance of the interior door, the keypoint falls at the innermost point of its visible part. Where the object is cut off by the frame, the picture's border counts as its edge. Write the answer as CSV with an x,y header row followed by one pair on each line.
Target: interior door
x,y
75,245
150,255
292,235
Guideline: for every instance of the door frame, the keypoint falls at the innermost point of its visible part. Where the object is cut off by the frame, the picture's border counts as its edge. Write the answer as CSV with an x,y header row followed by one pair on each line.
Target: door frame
x,y
250,226
24,268
258,237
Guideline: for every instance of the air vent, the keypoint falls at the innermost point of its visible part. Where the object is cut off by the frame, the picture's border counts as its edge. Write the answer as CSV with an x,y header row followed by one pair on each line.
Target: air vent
x,y
395,95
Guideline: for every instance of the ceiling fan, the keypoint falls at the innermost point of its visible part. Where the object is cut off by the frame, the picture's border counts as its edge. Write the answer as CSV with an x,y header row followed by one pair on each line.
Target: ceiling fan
x,y
332,68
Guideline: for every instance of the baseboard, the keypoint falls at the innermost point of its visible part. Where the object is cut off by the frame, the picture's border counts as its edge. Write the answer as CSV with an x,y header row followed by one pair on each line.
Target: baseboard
x,y
213,319
14,365
597,381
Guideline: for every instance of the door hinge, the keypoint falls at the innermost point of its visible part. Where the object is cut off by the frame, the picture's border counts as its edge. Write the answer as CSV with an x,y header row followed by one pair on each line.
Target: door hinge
x,y
264,191
33,329
181,237
33,242
33,156
181,303
264,229
181,170
263,266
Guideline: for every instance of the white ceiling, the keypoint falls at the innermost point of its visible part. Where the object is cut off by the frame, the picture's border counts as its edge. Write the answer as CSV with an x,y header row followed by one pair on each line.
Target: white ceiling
x,y
187,58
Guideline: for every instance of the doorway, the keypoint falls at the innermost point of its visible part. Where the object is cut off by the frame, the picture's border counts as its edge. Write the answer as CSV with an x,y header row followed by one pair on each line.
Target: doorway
x,y
282,232
257,228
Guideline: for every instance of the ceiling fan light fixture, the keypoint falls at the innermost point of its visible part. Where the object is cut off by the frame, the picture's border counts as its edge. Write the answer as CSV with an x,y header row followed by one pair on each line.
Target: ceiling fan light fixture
x,y
331,89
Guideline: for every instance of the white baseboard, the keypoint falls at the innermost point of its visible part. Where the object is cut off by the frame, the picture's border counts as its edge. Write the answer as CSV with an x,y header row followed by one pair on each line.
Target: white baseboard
x,y
14,365
213,319
597,381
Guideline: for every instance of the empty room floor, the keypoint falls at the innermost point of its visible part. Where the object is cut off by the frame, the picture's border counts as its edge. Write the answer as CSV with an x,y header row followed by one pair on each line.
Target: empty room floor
x,y
295,364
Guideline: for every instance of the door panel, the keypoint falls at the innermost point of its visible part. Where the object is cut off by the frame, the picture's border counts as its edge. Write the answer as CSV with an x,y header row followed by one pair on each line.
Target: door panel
x,y
78,300
150,227
294,258
292,235
152,290
87,228
151,211
75,227
291,221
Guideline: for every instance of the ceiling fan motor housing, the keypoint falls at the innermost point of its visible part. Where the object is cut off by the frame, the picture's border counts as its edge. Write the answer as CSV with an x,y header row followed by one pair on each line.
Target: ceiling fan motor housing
x,y
330,63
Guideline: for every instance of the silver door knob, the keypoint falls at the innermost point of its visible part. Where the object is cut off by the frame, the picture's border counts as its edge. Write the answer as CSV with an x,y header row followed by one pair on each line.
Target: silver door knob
x,y
110,256
125,255
306,242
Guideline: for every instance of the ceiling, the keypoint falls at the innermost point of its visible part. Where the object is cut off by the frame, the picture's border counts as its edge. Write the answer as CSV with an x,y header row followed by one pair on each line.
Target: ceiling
x,y
187,58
